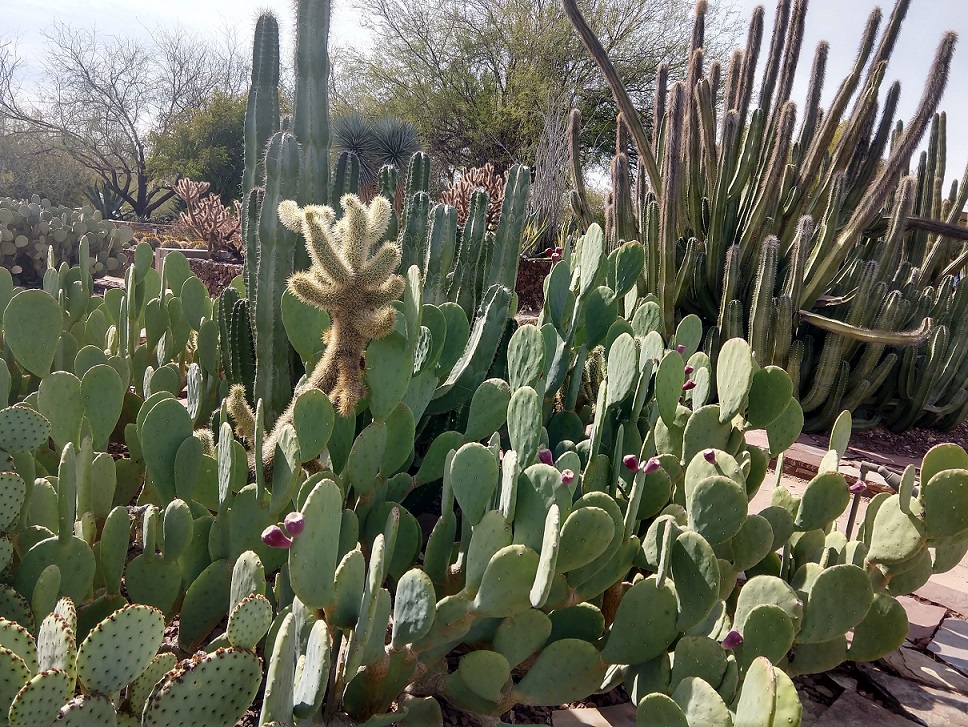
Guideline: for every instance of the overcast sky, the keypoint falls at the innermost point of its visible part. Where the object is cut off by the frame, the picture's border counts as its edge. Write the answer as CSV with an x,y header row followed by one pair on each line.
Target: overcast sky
x,y
838,21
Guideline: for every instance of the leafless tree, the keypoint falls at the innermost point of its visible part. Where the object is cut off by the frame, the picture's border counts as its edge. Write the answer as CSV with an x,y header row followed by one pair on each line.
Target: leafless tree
x,y
100,96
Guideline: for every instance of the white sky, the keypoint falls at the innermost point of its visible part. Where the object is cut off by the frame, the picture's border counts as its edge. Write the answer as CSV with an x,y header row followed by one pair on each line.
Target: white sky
x,y
838,21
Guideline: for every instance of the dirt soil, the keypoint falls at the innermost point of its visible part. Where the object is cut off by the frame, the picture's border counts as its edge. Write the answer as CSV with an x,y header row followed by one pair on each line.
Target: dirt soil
x,y
913,443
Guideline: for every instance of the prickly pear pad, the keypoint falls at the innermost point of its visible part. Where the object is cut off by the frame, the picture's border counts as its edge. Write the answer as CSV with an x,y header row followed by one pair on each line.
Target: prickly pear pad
x,y
119,648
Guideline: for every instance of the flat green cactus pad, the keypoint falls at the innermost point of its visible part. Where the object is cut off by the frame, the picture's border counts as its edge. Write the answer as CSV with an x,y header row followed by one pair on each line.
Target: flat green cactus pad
x,y
208,691
12,492
75,559
17,639
41,698
88,711
56,646
15,607
13,675
22,429
141,687
249,621
32,324
119,648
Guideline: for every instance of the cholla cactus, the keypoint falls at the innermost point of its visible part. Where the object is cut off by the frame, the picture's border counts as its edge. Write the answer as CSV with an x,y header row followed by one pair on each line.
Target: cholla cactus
x,y
351,281
459,193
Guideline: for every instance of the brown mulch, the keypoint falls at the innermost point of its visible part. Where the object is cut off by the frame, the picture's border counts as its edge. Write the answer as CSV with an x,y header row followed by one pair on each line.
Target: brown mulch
x,y
913,443
530,285
217,276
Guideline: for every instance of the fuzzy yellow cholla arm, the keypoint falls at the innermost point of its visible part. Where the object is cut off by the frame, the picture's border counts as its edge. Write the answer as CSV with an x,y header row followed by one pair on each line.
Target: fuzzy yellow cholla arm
x,y
353,278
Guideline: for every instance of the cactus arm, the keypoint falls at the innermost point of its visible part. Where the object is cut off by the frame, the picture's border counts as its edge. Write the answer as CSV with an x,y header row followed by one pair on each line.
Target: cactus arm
x,y
311,103
622,100
913,337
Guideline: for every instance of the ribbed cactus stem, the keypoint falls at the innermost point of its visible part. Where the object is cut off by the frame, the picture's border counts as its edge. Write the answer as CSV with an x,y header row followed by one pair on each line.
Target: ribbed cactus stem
x,y
886,47
262,107
669,211
775,57
311,102
761,305
734,72
812,111
277,247
580,206
869,207
791,54
622,99
751,55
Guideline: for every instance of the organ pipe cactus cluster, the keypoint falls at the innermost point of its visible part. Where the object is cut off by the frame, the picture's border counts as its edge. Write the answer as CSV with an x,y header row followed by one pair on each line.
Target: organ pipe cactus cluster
x,y
805,230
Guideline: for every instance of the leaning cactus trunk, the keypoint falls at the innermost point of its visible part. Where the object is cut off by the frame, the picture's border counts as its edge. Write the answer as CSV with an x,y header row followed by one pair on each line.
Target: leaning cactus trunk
x,y
714,187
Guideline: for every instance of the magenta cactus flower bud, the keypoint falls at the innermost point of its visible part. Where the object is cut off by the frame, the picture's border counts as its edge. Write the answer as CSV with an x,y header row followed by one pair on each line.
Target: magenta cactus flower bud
x,y
560,250
631,462
546,457
680,348
733,639
548,252
710,456
650,466
555,257
857,487
689,369
567,477
295,523
275,538
689,385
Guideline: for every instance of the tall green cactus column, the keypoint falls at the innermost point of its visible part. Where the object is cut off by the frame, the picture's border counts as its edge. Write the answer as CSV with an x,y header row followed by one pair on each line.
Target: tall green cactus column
x,y
295,166
261,122
277,247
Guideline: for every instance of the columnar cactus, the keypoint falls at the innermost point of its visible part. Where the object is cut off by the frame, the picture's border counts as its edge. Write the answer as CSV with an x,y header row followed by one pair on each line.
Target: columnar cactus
x,y
729,185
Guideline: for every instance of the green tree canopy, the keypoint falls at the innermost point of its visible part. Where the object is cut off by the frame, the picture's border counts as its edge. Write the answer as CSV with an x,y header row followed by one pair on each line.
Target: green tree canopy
x,y
204,144
477,76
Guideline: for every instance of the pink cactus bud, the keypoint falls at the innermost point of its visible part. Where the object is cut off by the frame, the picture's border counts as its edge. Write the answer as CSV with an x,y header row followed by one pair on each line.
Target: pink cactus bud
x,y
295,523
555,257
631,462
548,251
857,487
546,457
689,369
710,456
650,466
275,538
733,639
560,250
689,385
680,348
567,477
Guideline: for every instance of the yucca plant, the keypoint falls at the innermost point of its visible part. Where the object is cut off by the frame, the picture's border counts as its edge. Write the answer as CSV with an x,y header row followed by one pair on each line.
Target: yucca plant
x,y
806,233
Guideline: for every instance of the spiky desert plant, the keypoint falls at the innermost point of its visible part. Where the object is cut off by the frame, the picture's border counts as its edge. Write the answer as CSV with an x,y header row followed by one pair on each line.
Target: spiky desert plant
x,y
458,194
219,226
353,283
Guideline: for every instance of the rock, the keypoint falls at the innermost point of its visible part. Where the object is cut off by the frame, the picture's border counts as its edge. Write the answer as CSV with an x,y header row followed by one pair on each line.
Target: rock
x,y
619,715
923,617
950,643
931,707
579,718
852,710
912,664
812,709
953,600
